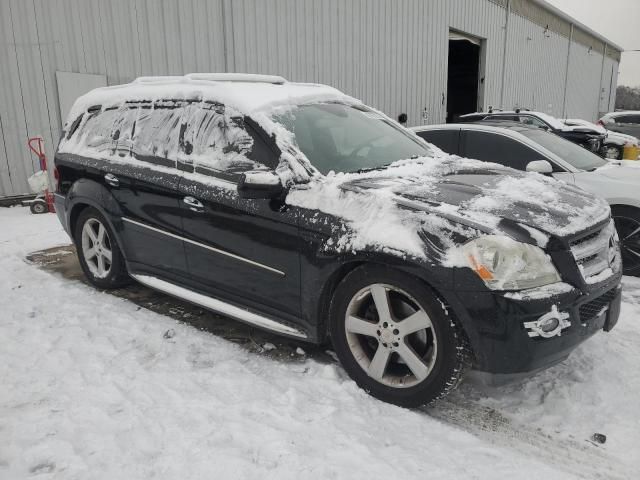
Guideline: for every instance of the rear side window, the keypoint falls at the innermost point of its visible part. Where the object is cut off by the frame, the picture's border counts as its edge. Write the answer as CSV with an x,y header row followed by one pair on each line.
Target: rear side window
x,y
529,120
218,139
633,119
96,132
157,133
446,140
491,147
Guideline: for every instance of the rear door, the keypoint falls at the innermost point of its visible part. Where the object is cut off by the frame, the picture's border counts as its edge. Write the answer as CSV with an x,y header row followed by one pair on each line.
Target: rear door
x,y
447,140
246,251
497,148
138,142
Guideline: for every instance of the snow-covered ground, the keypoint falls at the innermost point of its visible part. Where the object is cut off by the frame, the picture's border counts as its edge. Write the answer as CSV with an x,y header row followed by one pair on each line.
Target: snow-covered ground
x,y
90,388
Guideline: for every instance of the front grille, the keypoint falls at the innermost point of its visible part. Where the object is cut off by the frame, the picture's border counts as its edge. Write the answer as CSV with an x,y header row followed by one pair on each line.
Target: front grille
x,y
593,308
591,252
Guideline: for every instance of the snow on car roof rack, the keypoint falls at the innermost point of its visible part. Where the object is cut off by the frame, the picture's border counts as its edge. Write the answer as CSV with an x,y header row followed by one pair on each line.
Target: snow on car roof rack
x,y
159,79
237,77
214,77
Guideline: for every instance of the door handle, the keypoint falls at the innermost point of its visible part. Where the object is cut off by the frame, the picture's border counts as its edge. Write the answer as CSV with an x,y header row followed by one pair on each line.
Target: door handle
x,y
112,180
194,204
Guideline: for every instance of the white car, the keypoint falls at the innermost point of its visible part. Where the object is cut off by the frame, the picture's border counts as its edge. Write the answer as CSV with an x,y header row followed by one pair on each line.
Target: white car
x,y
533,149
614,144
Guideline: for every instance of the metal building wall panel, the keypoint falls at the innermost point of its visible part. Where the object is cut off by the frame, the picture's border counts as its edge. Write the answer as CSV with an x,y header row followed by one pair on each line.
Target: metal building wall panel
x,y
584,83
392,55
22,93
536,67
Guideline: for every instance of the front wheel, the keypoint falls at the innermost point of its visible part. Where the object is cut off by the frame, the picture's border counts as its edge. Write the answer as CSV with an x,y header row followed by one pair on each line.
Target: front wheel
x,y
627,221
98,252
612,153
395,338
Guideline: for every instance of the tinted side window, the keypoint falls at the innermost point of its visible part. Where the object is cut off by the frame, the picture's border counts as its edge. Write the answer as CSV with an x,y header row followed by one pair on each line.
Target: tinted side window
x,y
635,119
511,118
218,139
530,120
491,147
446,140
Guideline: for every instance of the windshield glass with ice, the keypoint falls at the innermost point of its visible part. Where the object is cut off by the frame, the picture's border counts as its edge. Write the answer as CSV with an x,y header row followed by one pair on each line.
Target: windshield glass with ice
x,y
568,151
348,138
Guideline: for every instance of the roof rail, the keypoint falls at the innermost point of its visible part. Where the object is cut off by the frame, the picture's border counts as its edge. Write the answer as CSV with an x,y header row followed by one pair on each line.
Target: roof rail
x,y
159,79
236,77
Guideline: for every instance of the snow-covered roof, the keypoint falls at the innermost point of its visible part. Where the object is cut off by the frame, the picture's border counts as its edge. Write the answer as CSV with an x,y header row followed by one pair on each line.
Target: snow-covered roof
x,y
245,92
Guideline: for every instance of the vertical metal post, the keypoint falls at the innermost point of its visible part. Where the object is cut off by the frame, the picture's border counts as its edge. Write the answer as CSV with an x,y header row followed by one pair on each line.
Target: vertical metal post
x,y
604,55
566,74
504,52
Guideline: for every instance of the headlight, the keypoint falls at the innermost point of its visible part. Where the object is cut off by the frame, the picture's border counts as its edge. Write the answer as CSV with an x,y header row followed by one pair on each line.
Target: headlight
x,y
505,264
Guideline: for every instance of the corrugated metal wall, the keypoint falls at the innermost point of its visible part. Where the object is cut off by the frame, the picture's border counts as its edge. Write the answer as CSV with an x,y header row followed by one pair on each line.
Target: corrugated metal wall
x,y
393,55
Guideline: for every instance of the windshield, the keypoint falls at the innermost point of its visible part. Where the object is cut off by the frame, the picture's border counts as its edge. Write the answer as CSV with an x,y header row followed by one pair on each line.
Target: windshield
x,y
346,138
568,151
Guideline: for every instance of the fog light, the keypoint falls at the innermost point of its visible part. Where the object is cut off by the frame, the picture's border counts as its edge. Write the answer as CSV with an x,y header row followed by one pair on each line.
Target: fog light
x,y
549,325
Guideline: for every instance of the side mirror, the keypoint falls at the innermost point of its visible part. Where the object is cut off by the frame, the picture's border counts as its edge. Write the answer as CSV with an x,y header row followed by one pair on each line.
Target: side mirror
x,y
540,166
260,184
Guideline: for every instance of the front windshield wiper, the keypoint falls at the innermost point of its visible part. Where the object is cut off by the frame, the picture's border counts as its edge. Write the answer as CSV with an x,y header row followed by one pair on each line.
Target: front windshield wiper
x,y
371,169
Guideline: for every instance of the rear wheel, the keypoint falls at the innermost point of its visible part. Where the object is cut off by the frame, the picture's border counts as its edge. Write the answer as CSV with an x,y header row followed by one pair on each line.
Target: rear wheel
x,y
395,338
627,220
98,252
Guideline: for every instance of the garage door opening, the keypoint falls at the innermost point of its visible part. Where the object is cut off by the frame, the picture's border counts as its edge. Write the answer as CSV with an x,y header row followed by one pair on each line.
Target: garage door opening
x,y
464,83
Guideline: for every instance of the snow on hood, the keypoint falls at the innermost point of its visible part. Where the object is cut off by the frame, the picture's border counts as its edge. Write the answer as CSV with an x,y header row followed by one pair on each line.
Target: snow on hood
x,y
388,209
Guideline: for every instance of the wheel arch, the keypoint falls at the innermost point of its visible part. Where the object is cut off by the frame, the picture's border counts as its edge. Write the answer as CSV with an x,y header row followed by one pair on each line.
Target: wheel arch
x,y
419,274
90,194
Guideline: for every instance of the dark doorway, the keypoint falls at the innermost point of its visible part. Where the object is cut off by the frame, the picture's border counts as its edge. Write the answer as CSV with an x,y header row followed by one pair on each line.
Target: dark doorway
x,y
463,76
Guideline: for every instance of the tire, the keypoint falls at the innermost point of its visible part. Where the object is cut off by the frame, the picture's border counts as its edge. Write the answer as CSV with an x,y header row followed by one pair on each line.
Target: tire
x,y
95,250
38,207
627,220
612,153
380,353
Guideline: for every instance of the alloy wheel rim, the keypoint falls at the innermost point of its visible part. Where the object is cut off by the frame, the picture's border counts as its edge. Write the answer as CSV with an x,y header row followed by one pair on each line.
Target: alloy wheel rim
x,y
390,336
96,248
611,153
629,233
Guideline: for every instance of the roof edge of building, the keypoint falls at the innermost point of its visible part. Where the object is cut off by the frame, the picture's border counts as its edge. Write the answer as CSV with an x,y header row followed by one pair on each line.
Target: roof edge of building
x,y
565,16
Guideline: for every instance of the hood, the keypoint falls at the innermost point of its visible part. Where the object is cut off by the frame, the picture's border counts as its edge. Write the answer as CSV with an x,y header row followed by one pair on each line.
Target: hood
x,y
485,195
448,197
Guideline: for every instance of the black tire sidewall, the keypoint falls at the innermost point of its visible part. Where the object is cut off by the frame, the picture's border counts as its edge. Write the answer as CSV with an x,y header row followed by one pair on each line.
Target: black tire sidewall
x,y
118,274
447,360
628,212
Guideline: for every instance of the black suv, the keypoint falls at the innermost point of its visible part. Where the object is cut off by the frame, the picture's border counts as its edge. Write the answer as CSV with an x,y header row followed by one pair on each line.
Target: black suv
x,y
298,209
586,137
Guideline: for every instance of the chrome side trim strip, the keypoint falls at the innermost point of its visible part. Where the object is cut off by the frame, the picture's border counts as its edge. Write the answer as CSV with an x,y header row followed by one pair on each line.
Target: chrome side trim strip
x,y
218,306
202,245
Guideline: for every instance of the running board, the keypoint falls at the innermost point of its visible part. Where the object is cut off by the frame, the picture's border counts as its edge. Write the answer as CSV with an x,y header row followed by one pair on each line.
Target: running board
x,y
218,306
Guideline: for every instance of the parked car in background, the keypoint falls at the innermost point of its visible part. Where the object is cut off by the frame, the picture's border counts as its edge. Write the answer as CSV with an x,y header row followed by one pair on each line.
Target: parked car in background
x,y
616,146
623,122
585,137
300,210
529,148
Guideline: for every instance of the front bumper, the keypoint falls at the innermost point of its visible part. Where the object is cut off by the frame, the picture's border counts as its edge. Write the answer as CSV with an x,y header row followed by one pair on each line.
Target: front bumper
x,y
495,323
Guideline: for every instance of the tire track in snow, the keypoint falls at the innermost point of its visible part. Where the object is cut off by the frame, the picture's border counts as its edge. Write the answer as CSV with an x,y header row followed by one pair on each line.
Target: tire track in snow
x,y
578,458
